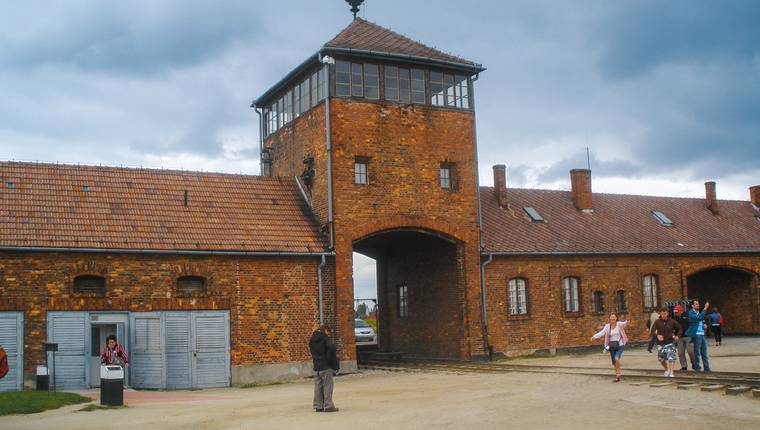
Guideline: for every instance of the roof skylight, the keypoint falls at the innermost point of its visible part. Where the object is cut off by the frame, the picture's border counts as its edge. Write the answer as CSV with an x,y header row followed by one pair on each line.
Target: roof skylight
x,y
664,220
533,214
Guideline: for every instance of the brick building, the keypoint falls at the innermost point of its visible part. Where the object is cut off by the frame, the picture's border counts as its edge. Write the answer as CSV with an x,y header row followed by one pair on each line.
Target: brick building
x,y
368,146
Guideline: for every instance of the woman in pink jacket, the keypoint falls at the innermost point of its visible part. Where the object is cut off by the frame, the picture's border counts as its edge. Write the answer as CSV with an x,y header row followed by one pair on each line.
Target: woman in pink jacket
x,y
614,340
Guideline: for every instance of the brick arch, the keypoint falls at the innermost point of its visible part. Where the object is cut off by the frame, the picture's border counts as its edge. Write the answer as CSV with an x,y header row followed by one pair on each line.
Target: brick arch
x,y
713,266
400,222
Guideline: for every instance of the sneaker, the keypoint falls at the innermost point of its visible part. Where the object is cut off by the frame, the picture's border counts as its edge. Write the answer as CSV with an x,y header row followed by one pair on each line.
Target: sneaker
x,y
667,373
671,375
684,369
333,409
318,410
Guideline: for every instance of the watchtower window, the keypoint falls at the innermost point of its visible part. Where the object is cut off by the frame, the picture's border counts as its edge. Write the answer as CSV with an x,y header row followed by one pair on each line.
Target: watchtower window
x,y
397,84
357,89
418,86
360,171
449,90
342,78
371,81
90,284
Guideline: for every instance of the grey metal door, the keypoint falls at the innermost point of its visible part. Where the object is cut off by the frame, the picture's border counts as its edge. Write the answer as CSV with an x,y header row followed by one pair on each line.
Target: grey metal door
x,y
146,350
12,340
178,350
211,349
70,330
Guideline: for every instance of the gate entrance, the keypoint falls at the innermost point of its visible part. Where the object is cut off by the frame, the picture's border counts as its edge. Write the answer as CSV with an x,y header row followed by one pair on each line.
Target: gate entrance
x,y
419,292
733,292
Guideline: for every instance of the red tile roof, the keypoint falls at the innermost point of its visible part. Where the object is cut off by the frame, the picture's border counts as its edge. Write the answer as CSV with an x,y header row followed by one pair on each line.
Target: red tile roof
x,y
368,36
47,206
619,224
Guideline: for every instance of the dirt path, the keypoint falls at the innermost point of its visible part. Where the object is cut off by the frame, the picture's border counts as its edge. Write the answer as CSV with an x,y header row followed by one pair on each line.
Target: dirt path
x,y
380,400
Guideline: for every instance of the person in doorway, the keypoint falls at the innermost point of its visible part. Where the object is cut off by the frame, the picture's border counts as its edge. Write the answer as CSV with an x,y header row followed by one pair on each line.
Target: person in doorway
x,y
325,359
684,345
667,331
614,340
113,353
696,331
716,326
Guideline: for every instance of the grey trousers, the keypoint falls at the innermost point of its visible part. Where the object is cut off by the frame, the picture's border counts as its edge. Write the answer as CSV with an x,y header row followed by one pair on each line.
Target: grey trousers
x,y
323,389
685,346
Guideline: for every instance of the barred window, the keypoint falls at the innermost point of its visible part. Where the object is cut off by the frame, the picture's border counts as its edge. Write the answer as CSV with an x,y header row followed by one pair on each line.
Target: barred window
x,y
190,285
570,294
650,291
598,302
90,284
403,301
620,302
518,304
445,176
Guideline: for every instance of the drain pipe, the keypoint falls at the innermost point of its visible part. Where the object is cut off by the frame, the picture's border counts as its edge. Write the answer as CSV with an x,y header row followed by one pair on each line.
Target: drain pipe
x,y
483,311
261,139
319,284
327,61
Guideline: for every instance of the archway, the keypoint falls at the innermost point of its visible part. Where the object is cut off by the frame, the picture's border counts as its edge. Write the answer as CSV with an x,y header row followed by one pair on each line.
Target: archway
x,y
732,291
419,291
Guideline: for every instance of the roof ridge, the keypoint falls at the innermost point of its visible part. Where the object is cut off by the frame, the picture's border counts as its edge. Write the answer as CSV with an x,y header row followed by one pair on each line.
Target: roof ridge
x,y
130,168
616,194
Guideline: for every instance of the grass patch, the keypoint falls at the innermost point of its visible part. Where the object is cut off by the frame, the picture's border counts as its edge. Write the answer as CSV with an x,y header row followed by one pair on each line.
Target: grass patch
x,y
31,402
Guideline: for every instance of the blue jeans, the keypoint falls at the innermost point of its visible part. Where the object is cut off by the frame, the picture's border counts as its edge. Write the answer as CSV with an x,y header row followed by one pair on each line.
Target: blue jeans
x,y
700,350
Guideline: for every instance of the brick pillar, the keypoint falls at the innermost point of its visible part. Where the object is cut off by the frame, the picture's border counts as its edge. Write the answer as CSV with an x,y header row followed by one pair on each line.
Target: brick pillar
x,y
754,195
500,184
580,181
711,199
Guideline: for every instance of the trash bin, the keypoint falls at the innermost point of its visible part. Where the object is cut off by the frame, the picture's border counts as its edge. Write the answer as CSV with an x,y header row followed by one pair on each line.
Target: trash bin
x,y
43,378
111,385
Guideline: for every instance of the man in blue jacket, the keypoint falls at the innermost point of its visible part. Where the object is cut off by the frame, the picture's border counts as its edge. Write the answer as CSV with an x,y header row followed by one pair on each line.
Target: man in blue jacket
x,y
696,331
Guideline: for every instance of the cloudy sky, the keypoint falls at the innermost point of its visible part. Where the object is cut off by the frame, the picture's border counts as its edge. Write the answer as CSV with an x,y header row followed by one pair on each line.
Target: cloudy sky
x,y
665,94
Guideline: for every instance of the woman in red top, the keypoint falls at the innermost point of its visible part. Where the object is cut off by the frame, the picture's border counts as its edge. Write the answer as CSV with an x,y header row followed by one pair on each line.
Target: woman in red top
x,y
113,353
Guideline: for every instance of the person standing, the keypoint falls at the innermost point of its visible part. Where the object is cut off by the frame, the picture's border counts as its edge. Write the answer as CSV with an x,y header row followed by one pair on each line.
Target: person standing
x,y
650,326
696,331
325,360
716,326
113,353
614,340
667,332
684,345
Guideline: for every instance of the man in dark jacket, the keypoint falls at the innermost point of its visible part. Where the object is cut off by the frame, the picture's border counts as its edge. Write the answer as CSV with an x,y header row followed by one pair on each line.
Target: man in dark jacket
x,y
325,358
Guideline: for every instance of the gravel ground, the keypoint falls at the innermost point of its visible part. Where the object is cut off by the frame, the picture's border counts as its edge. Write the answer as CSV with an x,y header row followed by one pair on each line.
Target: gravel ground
x,y
379,400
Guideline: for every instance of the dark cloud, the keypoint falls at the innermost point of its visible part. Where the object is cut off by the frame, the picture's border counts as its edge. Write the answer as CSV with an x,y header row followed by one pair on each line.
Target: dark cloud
x,y
638,36
127,37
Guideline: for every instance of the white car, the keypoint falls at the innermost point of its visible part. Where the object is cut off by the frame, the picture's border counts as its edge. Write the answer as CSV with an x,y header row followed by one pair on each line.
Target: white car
x,y
364,333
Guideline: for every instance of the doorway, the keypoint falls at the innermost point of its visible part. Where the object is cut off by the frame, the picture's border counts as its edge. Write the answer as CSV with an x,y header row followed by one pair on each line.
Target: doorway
x,y
99,335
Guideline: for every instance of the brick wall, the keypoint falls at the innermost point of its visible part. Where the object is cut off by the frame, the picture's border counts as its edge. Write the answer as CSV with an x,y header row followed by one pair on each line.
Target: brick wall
x,y
547,326
272,301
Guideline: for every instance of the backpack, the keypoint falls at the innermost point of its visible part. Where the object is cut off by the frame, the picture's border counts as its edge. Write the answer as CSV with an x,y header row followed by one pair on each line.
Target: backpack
x,y
720,319
3,363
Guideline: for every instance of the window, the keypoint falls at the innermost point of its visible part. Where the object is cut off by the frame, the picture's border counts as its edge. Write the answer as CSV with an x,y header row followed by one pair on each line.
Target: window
x,y
302,97
287,114
449,90
271,119
360,171
90,284
314,90
518,304
342,78
570,294
598,302
357,86
659,216
397,84
437,96
403,301
191,285
650,291
533,214
418,86
445,176
620,304
371,81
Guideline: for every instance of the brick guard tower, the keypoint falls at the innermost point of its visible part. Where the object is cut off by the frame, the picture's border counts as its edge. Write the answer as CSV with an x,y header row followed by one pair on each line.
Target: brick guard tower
x,y
379,131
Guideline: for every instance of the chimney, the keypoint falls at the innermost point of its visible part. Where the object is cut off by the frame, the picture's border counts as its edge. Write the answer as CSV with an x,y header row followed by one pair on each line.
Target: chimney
x,y
500,184
754,195
710,197
580,182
